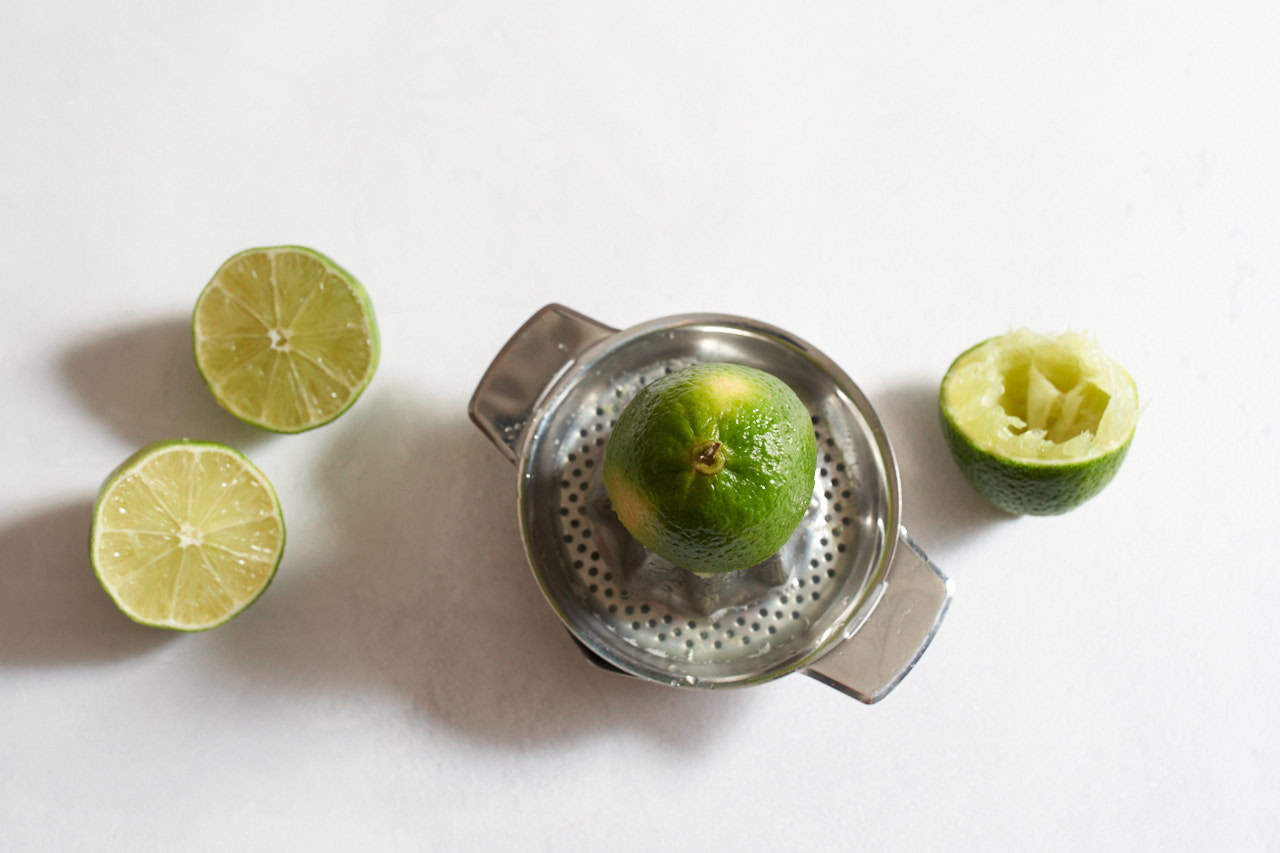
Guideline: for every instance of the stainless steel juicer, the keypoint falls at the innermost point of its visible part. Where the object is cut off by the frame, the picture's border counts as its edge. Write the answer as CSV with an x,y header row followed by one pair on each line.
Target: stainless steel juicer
x,y
849,600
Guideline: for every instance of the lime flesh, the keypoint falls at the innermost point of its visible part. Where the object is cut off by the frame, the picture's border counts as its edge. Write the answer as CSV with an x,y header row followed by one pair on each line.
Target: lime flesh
x,y
284,338
186,535
712,467
1038,424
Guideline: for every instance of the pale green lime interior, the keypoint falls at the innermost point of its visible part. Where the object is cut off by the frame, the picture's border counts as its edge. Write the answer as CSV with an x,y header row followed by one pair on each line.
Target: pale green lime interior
x,y
187,536
1037,397
284,338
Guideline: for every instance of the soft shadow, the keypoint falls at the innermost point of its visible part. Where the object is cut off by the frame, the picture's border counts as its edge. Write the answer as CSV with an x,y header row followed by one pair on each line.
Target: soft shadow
x,y
423,590
939,507
52,609
142,381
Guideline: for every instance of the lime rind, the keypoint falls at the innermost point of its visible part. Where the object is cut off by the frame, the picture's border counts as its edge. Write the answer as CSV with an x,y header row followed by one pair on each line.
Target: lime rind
x,y
1038,424
362,299
136,461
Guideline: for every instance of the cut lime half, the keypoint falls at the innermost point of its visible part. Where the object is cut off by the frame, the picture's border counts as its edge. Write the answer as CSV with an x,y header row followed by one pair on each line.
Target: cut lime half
x,y
185,535
1038,424
284,338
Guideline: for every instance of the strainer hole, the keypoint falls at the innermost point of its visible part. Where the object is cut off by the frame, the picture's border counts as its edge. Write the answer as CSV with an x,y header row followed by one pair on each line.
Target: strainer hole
x,y
582,549
783,599
679,632
815,596
826,457
730,633
839,466
703,634
608,576
815,419
692,624
593,571
582,432
719,644
662,638
599,411
846,520
688,644
823,541
573,457
837,506
564,510
577,564
772,630
590,463
823,471
846,494
644,608
635,626
586,533
828,557
653,623
814,563
568,538
573,498
595,555
763,612
741,621
841,548
608,593
831,573
575,524
815,580
746,641
715,626
630,609
592,588
779,614
755,626
613,608
666,617
795,614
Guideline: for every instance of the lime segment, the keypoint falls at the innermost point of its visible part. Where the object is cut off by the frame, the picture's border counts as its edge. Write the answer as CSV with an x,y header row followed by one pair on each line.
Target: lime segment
x,y
186,535
1038,424
284,338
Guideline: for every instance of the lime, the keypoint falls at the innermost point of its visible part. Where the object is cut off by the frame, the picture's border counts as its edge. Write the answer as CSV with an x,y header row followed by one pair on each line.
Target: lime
x,y
712,466
185,535
1038,423
284,338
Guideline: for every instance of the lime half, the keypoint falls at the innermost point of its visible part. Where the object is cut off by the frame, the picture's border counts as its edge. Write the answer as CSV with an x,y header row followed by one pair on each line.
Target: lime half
x,y
1038,423
284,338
712,466
186,535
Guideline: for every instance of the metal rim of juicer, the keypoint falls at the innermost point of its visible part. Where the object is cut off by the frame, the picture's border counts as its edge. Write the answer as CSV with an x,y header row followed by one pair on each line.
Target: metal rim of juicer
x,y
840,602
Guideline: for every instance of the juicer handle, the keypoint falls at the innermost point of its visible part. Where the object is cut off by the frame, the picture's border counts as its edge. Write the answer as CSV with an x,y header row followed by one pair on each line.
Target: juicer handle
x,y
548,342
913,598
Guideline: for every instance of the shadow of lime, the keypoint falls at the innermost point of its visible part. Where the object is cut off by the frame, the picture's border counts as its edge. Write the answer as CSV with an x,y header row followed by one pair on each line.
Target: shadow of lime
x,y
420,588
52,609
143,383
939,507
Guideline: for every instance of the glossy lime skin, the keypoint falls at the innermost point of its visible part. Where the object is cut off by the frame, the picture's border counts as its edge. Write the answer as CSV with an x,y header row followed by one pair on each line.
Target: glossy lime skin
x,y
737,516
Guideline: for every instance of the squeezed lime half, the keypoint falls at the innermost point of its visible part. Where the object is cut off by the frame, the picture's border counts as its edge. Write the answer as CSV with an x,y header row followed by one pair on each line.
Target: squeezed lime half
x,y
1038,424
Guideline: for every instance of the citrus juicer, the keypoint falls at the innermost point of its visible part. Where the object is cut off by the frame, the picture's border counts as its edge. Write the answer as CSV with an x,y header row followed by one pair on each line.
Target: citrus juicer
x,y
849,600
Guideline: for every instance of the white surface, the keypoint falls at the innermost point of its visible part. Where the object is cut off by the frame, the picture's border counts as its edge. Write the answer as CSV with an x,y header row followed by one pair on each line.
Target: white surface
x,y
890,185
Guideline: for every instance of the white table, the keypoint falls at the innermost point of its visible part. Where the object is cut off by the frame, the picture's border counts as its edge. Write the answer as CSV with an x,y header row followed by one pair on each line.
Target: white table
x,y
890,185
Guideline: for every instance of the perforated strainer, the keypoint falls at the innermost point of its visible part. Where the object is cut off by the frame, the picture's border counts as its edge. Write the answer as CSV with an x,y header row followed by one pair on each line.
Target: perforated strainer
x,y
849,599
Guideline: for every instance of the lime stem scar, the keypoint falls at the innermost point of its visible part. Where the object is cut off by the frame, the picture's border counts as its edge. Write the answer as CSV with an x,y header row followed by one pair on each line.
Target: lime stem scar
x,y
708,457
